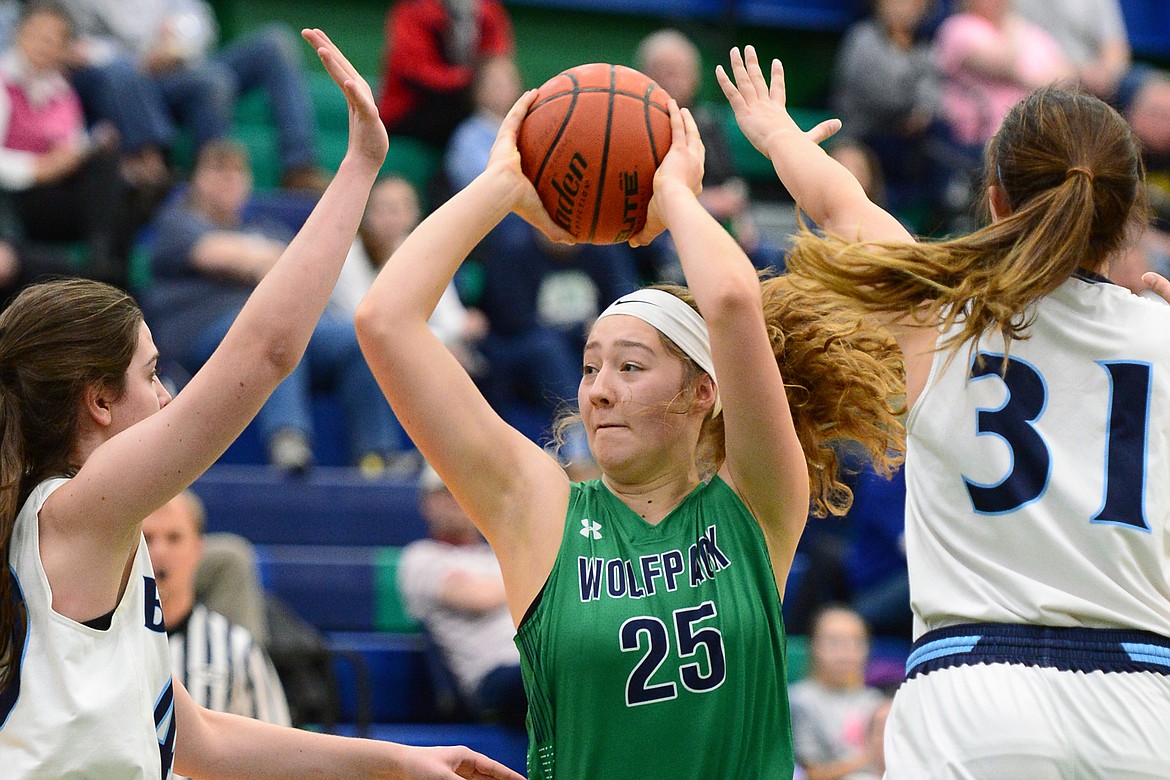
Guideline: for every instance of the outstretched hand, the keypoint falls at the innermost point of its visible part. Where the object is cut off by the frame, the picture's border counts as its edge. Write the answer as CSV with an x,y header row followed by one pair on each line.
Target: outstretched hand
x,y
505,158
682,165
367,135
759,109
451,763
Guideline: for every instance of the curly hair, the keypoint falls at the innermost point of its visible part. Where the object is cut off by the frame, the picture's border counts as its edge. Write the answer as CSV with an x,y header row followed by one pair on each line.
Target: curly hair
x,y
844,378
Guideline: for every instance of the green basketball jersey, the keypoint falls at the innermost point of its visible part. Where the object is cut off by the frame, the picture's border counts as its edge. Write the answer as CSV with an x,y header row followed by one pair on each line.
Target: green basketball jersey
x,y
657,651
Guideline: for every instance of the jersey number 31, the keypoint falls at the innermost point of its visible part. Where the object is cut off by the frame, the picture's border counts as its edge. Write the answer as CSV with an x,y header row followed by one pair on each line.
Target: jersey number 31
x,y
1031,460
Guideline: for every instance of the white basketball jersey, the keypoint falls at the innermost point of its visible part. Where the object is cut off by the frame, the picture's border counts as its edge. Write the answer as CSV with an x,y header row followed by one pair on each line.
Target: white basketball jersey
x,y
1043,496
86,703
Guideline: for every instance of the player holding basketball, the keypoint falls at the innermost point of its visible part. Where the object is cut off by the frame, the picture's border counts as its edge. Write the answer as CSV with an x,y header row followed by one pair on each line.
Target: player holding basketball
x,y
90,443
648,602
1037,513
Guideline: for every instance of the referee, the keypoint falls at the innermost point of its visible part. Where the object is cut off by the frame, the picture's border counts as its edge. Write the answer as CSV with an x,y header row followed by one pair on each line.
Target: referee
x,y
220,663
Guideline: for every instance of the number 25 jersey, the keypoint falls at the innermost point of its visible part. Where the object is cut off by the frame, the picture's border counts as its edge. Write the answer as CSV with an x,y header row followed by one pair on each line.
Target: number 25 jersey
x,y
657,650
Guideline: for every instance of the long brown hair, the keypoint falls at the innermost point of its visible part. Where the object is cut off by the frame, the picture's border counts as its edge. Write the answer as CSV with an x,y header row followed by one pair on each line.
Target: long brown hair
x,y
844,380
1071,172
56,339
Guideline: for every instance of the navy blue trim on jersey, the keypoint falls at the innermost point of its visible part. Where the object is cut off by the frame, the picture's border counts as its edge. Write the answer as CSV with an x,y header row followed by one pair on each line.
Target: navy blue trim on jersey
x,y
11,692
1092,277
1066,649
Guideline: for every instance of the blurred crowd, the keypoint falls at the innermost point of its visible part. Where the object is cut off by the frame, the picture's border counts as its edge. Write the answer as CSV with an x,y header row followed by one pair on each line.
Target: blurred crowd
x,y
116,119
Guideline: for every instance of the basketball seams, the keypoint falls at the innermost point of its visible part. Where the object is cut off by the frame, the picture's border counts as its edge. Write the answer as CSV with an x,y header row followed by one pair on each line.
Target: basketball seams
x,y
649,125
552,147
644,98
600,194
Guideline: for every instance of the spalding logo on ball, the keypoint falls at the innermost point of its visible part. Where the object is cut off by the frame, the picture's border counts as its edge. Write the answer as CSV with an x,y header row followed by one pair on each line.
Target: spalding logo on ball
x,y
590,144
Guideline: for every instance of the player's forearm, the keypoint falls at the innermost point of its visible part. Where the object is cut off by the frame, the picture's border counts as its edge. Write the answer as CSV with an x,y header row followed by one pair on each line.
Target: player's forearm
x,y
412,281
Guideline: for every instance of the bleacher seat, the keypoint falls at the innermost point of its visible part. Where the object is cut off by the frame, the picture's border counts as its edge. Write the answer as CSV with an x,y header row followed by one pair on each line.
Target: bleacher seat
x,y
327,506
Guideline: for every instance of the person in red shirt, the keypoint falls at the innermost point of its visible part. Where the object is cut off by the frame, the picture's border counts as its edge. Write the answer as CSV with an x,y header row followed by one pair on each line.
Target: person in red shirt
x,y
432,49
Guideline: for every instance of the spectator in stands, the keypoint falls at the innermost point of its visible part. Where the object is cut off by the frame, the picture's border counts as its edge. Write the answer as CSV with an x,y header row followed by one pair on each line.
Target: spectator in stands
x,y
497,87
223,666
64,182
451,583
391,213
832,709
431,52
1092,35
902,122
206,260
990,58
672,60
152,66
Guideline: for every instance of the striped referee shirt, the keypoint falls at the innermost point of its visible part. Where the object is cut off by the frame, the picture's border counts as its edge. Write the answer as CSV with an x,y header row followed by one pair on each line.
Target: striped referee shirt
x,y
225,669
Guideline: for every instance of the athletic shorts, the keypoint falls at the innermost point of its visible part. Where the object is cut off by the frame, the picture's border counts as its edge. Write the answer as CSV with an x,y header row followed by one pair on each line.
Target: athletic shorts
x,y
994,702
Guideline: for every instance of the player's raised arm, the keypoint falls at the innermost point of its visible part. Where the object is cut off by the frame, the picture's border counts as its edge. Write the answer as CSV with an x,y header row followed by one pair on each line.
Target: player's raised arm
x,y
511,489
822,187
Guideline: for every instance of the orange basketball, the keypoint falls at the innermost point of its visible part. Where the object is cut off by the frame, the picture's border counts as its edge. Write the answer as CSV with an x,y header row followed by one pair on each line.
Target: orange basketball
x,y
590,144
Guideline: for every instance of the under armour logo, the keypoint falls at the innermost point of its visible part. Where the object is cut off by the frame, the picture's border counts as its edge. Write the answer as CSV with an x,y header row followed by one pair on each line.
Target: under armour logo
x,y
590,530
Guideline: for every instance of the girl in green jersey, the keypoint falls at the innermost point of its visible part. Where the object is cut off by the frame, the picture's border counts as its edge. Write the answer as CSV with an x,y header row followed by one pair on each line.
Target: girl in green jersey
x,y
648,601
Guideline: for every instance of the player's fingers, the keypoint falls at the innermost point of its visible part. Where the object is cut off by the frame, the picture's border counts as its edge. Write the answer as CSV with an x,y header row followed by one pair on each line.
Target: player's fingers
x,y
742,83
320,40
824,130
678,129
480,767
729,91
518,111
1158,284
756,76
777,91
692,130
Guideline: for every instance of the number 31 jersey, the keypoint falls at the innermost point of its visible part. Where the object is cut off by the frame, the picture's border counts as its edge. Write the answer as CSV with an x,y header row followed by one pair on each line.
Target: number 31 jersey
x,y
657,650
1040,494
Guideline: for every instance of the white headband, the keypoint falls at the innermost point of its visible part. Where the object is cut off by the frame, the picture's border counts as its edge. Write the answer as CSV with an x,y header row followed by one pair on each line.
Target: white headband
x,y
673,318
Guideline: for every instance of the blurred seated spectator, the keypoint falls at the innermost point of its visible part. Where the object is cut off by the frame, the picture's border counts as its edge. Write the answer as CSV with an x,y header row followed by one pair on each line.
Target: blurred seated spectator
x,y
1092,35
902,121
451,583
223,666
64,183
391,213
497,86
990,58
151,66
540,299
206,259
832,709
673,61
430,54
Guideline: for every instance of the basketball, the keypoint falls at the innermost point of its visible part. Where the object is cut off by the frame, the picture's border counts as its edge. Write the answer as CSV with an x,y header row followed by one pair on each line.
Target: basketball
x,y
590,144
